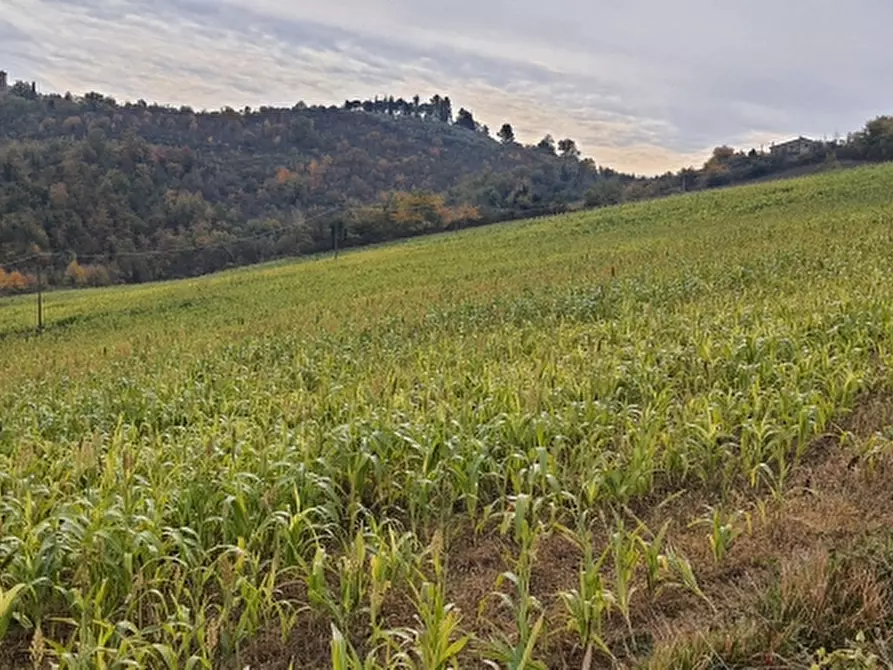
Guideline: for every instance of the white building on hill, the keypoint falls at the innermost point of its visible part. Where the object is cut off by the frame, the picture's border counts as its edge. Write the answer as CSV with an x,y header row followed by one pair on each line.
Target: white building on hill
x,y
801,146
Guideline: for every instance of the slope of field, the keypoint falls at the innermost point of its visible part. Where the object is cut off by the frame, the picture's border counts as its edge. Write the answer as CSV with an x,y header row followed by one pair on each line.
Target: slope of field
x,y
652,435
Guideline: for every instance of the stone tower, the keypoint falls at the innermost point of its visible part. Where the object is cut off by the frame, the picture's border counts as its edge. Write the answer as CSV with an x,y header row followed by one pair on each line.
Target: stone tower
x,y
4,84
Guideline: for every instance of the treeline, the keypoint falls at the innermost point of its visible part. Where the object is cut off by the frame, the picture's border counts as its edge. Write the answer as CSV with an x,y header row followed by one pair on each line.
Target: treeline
x,y
102,192
137,192
438,108
398,215
727,166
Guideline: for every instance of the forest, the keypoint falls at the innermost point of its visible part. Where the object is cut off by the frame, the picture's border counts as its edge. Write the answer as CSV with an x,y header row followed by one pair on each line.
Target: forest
x,y
94,192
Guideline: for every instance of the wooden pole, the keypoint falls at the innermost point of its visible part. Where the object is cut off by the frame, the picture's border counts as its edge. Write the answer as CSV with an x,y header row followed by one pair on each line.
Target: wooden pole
x,y
39,298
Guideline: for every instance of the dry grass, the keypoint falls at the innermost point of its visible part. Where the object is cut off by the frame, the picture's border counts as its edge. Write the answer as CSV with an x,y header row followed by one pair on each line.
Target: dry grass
x,y
814,572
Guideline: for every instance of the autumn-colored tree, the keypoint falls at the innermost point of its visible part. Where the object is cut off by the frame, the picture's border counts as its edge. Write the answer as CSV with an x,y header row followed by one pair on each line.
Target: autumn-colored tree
x,y
75,275
418,212
59,195
462,215
97,275
16,281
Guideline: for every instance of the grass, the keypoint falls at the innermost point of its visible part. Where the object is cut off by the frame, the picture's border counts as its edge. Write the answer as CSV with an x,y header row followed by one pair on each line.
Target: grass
x,y
567,442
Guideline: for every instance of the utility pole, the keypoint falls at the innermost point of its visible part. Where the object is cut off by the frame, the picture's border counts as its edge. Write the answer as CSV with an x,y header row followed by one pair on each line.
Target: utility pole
x,y
337,233
39,297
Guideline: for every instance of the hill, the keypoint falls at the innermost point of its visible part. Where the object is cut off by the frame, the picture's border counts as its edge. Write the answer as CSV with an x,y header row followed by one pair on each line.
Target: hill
x,y
101,181
102,192
658,432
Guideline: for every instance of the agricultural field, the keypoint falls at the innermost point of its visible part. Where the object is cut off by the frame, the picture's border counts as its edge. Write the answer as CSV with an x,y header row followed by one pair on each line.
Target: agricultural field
x,y
649,436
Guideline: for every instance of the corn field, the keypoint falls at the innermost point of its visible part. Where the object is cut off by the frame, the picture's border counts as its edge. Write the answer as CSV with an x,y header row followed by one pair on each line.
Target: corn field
x,y
434,454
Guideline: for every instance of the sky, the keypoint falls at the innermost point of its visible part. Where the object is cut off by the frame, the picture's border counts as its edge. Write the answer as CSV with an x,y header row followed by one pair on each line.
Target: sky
x,y
641,85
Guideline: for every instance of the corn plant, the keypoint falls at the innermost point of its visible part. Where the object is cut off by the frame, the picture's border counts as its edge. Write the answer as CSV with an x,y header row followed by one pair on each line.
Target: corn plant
x,y
350,573
624,550
724,530
680,566
191,467
345,657
7,602
653,556
518,652
590,603
854,657
437,642
394,558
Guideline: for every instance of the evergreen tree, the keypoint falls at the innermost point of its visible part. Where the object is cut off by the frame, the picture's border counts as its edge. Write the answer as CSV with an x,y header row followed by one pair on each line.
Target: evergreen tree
x,y
507,134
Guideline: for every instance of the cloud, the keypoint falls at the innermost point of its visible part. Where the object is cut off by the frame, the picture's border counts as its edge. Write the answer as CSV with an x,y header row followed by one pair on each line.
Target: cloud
x,y
641,85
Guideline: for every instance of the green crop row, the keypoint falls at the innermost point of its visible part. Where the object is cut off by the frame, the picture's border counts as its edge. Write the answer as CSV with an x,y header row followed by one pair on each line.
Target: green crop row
x,y
303,451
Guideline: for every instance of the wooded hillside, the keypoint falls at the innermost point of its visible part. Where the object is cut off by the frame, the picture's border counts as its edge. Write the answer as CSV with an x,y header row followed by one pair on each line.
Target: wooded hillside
x,y
103,192
103,182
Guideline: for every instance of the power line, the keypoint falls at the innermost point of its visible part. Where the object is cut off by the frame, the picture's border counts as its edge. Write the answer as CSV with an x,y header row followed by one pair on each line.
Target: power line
x,y
25,259
531,213
151,253
163,252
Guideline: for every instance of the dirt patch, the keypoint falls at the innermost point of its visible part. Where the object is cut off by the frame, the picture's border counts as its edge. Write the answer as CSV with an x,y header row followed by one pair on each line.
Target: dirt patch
x,y
874,414
474,565
839,498
14,651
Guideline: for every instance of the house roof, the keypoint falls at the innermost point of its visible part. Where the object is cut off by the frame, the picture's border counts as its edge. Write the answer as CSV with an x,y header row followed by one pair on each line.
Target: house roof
x,y
796,140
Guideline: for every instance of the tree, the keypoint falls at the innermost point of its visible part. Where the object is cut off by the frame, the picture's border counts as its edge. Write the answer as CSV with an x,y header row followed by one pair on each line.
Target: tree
x,y
155,192
606,191
59,195
465,119
97,275
721,156
15,281
25,90
459,217
446,110
547,145
75,274
442,109
568,148
419,212
688,178
507,134
877,138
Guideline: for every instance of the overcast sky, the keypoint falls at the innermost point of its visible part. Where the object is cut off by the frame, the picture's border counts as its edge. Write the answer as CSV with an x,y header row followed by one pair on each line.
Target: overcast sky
x,y
643,85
